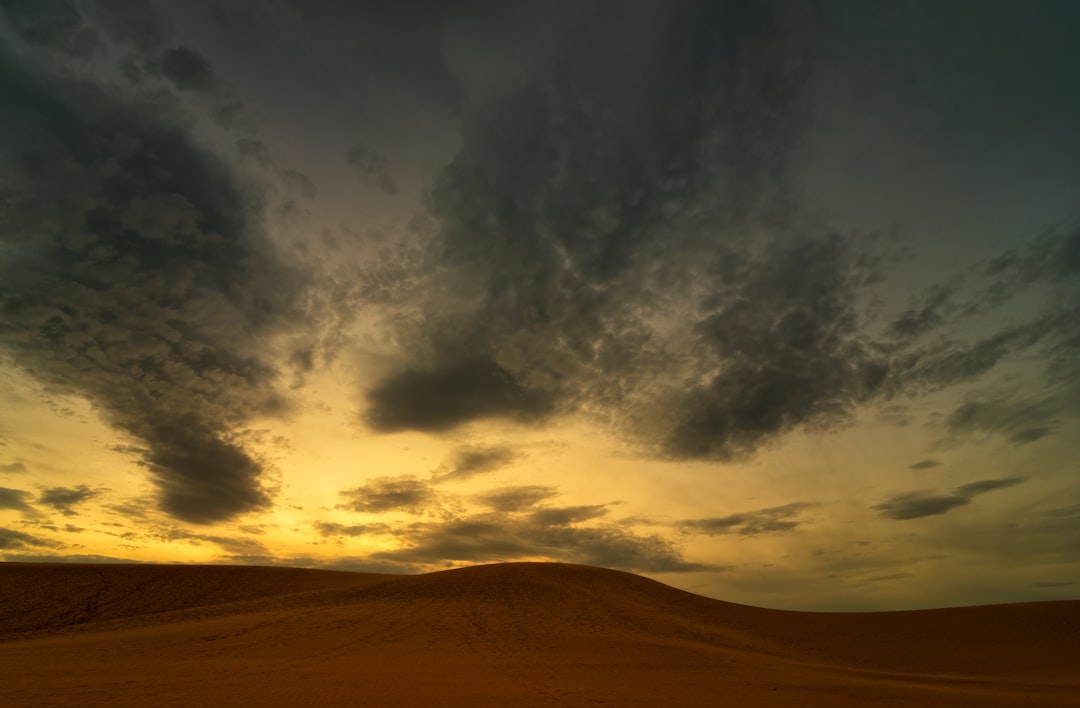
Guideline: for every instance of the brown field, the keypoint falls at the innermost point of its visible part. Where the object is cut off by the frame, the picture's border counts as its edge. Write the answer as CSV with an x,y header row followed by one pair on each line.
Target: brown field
x,y
517,634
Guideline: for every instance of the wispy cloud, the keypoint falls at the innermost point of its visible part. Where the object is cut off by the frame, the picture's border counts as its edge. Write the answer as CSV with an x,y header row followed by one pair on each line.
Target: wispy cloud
x,y
916,505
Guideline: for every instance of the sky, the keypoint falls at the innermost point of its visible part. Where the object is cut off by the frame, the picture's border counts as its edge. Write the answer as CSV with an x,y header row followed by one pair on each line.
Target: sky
x,y
773,302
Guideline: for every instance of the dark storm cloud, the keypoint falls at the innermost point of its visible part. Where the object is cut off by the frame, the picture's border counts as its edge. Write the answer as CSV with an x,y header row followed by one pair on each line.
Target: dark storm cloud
x,y
390,494
915,505
614,181
135,273
776,519
64,498
54,24
187,70
471,461
16,499
924,465
516,498
11,539
784,337
439,398
372,166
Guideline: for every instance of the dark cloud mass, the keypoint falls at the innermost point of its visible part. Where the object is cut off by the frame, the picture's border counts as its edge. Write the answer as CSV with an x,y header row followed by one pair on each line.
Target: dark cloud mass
x,y
64,498
372,166
437,399
594,245
133,269
15,499
915,505
187,69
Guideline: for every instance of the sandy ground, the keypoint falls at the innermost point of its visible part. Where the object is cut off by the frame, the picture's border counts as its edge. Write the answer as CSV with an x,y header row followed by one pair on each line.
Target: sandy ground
x,y
518,634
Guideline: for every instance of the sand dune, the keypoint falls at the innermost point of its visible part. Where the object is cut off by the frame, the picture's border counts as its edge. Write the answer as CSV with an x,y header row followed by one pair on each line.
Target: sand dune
x,y
518,634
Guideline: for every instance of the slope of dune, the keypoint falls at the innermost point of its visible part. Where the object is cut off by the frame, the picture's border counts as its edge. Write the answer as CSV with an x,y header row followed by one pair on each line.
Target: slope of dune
x,y
520,634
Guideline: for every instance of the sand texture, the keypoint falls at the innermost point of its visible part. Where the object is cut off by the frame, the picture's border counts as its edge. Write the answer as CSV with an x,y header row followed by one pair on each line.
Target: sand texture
x,y
517,634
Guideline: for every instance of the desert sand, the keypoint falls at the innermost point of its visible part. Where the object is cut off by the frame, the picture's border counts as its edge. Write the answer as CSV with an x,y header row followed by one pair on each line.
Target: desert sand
x,y
514,634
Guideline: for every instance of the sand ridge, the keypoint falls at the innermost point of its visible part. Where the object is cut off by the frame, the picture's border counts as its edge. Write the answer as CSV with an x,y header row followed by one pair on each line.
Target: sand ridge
x,y
505,634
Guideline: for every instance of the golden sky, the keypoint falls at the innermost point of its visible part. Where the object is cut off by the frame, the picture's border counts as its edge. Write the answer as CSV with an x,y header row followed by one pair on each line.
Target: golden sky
x,y
773,306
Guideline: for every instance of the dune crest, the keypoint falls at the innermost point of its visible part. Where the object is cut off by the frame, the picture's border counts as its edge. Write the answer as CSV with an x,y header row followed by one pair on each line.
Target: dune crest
x,y
506,634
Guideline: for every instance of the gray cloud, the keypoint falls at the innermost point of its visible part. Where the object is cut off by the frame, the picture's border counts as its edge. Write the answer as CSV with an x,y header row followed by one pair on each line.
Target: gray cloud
x,y
228,544
471,461
134,270
775,519
566,515
372,166
500,537
916,505
561,253
924,465
11,539
437,399
329,530
64,498
927,315
988,485
187,69
1019,421
390,494
516,498
13,467
16,499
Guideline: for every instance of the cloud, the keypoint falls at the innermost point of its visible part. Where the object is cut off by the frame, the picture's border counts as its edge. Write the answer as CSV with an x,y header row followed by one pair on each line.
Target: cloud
x,y
330,530
775,519
228,544
924,465
436,400
11,539
501,537
916,505
516,498
616,275
187,69
64,498
135,270
13,467
566,515
1018,419
372,166
390,494
471,461
926,316
16,499
988,485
